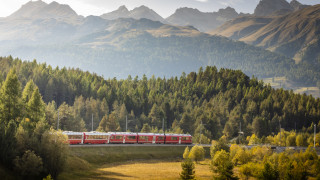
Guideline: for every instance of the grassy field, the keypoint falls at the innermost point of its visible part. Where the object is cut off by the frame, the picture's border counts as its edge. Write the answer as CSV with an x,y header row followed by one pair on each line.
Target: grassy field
x,y
282,82
127,162
151,169
146,169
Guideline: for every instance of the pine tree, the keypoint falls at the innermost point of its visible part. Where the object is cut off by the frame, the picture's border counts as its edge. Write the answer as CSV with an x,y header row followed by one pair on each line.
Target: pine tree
x,y
188,171
103,124
146,128
186,153
28,91
36,107
10,98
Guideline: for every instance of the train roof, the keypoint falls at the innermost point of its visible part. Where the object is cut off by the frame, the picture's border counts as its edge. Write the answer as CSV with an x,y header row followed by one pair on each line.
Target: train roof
x,y
150,134
72,133
178,135
96,133
124,133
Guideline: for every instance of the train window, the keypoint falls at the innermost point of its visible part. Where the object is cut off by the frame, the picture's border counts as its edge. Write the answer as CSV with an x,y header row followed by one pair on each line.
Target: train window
x,y
112,137
131,137
184,138
74,137
174,138
160,138
143,137
118,137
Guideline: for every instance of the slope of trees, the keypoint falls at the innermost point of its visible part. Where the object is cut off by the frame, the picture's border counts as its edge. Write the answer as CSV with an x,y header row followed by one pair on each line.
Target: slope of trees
x,y
218,99
27,145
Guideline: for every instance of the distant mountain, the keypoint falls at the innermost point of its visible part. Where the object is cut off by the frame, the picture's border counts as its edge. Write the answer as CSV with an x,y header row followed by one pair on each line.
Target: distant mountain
x,y
121,12
117,48
296,35
136,13
267,7
296,5
41,10
277,7
201,20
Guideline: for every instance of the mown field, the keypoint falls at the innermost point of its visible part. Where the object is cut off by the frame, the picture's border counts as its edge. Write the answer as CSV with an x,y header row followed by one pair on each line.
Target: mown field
x,y
130,162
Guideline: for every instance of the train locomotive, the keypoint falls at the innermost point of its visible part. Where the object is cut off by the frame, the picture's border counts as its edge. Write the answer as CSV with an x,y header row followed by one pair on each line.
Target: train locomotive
x,y
126,138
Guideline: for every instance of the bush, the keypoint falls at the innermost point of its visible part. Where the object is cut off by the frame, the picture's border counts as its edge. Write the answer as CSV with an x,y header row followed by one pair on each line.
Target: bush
x,y
269,172
29,165
217,146
222,165
197,153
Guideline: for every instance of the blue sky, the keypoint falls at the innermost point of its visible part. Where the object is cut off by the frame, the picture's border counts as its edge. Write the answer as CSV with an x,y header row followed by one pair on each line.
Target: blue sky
x,y
163,7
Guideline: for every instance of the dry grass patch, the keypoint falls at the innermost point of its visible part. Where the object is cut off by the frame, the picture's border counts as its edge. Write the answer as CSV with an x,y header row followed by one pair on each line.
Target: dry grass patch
x,y
151,169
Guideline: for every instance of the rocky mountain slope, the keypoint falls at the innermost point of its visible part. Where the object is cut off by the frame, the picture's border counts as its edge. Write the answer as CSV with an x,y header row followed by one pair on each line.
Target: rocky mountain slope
x,y
203,21
295,35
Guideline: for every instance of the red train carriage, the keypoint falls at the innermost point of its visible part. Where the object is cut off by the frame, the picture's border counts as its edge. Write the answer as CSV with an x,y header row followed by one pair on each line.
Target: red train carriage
x,y
123,137
96,138
151,138
178,139
74,137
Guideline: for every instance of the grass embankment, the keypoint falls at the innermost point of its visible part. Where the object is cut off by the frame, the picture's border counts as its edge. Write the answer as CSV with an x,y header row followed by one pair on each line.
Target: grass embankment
x,y
131,162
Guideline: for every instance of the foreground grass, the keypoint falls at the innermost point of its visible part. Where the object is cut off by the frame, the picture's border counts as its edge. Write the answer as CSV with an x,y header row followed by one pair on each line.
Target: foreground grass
x,y
128,162
146,169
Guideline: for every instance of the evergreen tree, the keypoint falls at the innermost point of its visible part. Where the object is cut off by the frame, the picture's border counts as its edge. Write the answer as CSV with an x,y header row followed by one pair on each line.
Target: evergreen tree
x,y
188,171
146,128
36,107
186,153
10,98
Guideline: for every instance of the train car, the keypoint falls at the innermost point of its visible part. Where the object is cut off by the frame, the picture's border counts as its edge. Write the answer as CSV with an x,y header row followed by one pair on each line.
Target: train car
x,y
152,138
123,137
74,137
96,138
178,139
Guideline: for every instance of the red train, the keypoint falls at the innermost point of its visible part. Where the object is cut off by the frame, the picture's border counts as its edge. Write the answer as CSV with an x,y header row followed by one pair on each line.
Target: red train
x,y
126,138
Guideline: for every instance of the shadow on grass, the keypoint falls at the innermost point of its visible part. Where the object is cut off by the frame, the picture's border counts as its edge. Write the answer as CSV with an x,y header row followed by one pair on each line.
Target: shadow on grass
x,y
102,174
95,174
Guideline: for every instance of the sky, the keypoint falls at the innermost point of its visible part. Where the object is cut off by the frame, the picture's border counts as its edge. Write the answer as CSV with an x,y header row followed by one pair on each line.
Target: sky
x,y
163,7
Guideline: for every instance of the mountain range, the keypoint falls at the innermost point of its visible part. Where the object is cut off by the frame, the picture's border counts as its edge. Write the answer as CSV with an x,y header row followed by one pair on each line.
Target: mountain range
x,y
124,42
295,35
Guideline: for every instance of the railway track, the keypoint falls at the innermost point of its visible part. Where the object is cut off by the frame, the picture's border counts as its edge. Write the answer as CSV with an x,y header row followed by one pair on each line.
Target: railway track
x,y
139,145
274,148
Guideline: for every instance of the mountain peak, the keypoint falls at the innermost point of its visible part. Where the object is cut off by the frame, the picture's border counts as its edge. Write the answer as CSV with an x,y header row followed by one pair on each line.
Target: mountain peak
x,y
27,9
296,5
267,7
41,10
136,13
228,13
123,8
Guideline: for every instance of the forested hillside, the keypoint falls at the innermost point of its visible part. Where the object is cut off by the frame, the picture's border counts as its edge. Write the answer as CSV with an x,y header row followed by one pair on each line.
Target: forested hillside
x,y
116,48
220,99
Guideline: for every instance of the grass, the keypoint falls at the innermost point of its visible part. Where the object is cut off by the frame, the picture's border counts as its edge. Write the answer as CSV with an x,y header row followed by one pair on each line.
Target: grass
x,y
124,162
146,169
282,82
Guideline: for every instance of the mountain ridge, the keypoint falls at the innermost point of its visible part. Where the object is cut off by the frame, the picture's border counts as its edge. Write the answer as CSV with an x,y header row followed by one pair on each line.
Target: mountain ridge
x,y
136,13
296,34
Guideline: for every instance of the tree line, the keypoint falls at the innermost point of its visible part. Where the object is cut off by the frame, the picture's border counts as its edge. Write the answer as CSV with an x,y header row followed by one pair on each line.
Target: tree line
x,y
211,101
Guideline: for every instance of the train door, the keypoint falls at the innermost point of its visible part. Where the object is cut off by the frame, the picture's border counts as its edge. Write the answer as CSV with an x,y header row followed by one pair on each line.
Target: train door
x,y
179,140
154,140
82,136
124,139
